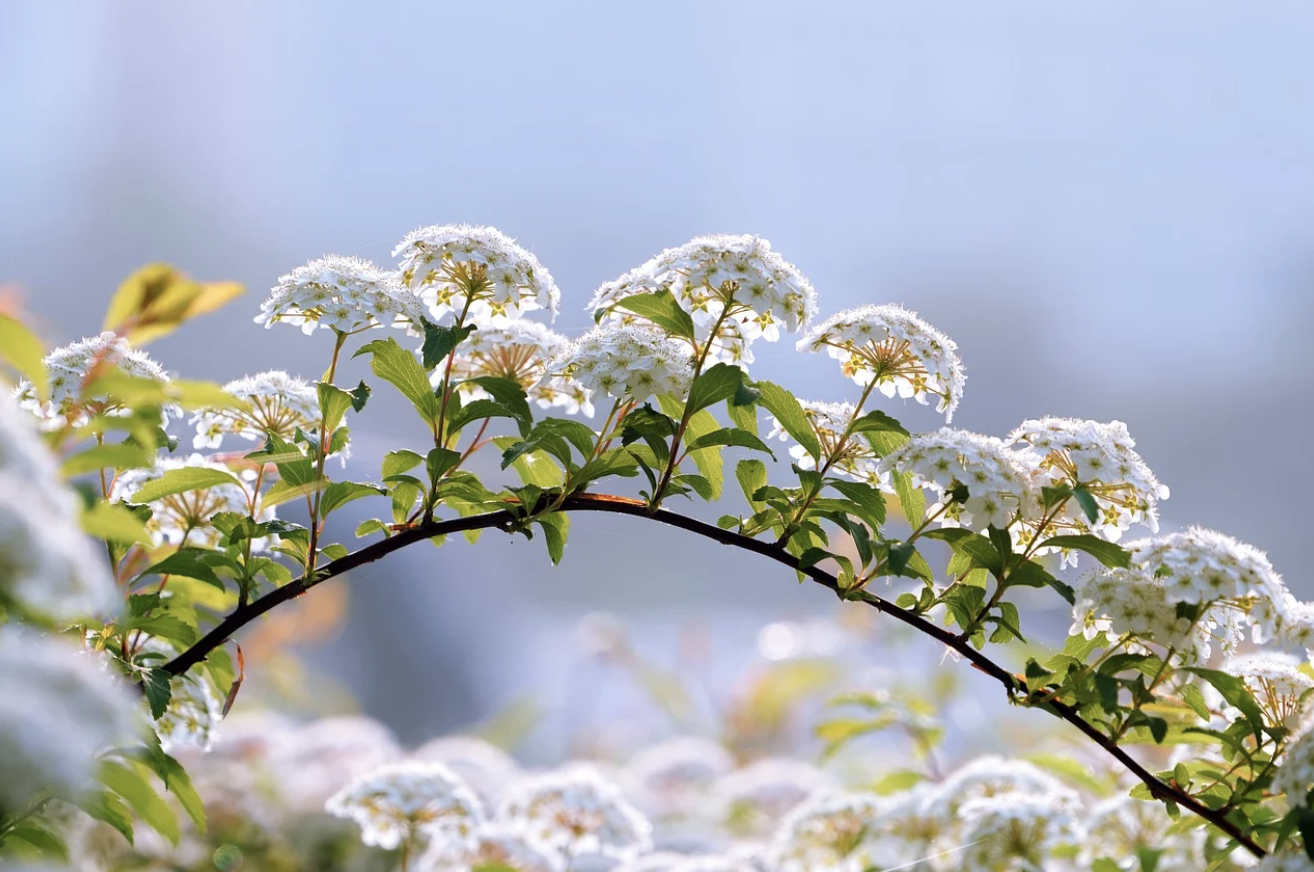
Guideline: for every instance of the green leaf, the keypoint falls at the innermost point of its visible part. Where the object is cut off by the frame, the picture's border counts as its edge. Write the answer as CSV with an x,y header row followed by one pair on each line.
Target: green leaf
x,y
662,309
878,422
334,551
114,522
130,783
164,626
333,404
698,483
360,395
743,408
789,412
397,462
156,684
1105,552
178,481
107,808
339,493
440,342
911,499
123,455
720,382
1192,696
534,467
397,366
439,462
1086,500
477,410
195,563
556,526
21,349
1032,574
870,499
510,394
46,843
708,460
728,436
180,785
1236,693
752,475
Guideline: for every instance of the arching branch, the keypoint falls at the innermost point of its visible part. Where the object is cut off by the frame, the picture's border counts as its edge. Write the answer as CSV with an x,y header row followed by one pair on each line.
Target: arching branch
x,y
243,615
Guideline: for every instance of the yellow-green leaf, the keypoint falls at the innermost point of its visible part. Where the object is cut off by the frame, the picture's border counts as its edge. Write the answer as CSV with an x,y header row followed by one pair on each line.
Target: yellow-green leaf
x,y
20,348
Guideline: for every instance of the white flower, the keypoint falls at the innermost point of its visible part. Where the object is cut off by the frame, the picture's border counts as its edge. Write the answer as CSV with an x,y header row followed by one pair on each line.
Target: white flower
x,y
991,776
853,457
345,294
573,812
47,565
186,518
671,779
1292,860
1202,566
404,801
943,461
761,793
485,767
317,758
1133,602
1015,832
59,709
70,370
193,714
457,267
493,846
276,403
1295,776
519,351
737,282
1120,827
628,362
828,833
1276,683
896,350
1099,458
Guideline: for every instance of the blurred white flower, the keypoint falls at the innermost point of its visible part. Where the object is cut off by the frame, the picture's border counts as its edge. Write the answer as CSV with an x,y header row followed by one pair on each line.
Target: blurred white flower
x,y
485,767
754,799
492,846
627,362
71,368
895,349
47,565
193,715
406,801
344,294
319,756
58,709
1016,831
828,833
479,271
573,812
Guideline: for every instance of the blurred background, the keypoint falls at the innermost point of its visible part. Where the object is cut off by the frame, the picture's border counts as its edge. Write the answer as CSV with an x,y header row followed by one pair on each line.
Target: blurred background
x,y
1110,207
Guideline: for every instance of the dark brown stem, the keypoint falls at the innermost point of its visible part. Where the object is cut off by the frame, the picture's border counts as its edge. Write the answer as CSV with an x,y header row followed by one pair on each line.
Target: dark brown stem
x,y
243,615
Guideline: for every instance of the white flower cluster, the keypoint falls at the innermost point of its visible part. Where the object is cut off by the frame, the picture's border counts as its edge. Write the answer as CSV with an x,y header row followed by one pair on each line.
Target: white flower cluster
x,y
519,351
1015,832
631,363
671,781
276,403
404,802
457,267
852,456
1122,827
343,294
60,709
1293,860
1203,566
185,518
47,566
757,796
72,367
193,715
1131,602
574,812
1099,458
493,846
1279,687
894,349
998,488
1295,777
734,285
831,831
